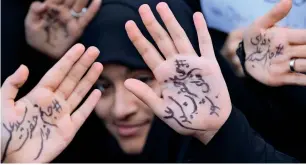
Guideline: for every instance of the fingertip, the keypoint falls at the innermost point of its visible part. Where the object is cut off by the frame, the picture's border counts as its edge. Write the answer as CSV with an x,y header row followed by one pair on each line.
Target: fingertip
x,y
79,46
97,93
129,25
23,67
20,75
36,4
22,70
198,17
287,3
94,49
98,66
144,8
161,6
128,82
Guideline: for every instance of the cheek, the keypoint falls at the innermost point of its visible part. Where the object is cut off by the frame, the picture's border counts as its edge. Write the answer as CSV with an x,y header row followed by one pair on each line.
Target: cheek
x,y
103,108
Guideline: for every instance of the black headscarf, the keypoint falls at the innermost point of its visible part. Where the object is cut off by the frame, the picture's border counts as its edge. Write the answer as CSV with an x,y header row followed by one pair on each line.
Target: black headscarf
x,y
107,31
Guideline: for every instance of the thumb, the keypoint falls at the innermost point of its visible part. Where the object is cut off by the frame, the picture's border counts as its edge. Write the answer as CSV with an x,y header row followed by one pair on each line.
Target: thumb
x,y
278,12
35,11
12,84
145,94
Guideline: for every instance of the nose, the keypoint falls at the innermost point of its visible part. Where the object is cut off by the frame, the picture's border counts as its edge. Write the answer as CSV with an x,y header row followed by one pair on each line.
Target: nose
x,y
125,104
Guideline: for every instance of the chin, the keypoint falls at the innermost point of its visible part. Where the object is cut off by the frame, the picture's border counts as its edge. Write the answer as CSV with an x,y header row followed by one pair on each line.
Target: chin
x,y
133,145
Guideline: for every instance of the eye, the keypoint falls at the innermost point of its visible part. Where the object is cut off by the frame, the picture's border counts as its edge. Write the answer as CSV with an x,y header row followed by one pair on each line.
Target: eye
x,y
103,85
144,78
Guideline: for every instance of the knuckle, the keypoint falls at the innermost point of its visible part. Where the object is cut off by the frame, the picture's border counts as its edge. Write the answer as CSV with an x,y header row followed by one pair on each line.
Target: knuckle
x,y
144,51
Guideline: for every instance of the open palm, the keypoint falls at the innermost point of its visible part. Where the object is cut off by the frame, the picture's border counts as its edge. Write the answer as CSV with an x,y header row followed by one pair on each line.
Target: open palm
x,y
195,98
269,49
41,124
51,28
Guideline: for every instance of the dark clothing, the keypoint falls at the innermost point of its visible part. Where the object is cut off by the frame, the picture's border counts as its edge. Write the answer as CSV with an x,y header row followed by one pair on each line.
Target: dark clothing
x,y
235,142
281,109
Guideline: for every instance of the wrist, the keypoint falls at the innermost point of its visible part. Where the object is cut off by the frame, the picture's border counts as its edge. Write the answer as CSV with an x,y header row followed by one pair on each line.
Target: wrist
x,y
205,137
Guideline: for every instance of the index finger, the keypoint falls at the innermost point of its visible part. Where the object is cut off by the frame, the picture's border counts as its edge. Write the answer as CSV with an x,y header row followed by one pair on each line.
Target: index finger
x,y
53,78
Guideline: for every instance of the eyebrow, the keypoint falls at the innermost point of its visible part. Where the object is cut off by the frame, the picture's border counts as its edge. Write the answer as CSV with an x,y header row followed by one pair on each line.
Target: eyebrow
x,y
127,71
101,77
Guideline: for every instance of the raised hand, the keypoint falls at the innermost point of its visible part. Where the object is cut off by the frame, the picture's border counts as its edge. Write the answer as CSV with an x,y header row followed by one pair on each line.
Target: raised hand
x,y
51,27
270,49
40,125
195,99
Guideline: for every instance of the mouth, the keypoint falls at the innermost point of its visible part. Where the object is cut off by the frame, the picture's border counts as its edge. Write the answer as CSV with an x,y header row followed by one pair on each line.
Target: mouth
x,y
129,130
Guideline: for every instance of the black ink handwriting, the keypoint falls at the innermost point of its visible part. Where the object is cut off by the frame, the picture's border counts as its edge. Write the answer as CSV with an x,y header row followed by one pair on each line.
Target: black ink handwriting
x,y
213,107
170,111
184,117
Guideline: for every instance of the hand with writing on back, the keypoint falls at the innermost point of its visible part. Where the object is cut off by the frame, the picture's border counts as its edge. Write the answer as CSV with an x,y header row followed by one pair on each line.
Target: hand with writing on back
x,y
40,125
52,29
269,49
195,100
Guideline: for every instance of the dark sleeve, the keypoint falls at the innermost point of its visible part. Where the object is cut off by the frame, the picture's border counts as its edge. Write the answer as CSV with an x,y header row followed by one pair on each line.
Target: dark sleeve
x,y
236,142
279,109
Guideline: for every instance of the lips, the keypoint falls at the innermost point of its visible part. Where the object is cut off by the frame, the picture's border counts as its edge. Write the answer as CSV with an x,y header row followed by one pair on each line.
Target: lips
x,y
127,130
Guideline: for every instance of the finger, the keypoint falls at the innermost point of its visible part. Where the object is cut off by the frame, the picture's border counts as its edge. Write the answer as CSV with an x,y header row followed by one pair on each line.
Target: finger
x,y
55,1
85,85
205,42
53,78
80,115
232,48
300,65
69,3
238,34
77,72
177,33
278,12
145,94
295,79
296,36
12,84
158,33
79,5
297,51
148,52
90,13
35,11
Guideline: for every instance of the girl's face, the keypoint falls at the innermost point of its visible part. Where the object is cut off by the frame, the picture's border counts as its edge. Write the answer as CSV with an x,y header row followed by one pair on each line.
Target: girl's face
x,y
126,117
